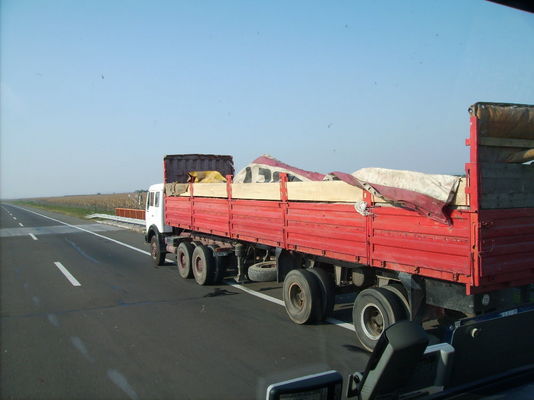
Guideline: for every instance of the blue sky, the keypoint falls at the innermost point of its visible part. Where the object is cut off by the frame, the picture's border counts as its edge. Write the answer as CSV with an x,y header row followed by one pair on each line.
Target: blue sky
x,y
94,94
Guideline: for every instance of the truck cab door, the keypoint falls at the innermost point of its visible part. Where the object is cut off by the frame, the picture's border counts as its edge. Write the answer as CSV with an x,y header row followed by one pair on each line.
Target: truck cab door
x,y
155,210
150,210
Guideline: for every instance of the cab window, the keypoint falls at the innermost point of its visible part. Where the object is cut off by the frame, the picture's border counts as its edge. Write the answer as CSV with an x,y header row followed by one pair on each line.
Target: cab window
x,y
151,199
156,201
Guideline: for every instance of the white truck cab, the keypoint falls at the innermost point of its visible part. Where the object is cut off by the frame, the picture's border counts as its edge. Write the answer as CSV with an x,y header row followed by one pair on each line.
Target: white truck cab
x,y
155,218
155,212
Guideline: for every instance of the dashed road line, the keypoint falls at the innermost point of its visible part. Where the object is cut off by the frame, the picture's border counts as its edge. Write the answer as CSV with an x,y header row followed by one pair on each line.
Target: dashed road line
x,y
32,236
80,346
122,383
67,274
20,224
52,318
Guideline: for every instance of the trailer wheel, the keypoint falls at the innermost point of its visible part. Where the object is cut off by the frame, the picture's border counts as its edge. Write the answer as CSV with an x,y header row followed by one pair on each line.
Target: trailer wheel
x,y
302,296
374,310
221,262
158,256
203,265
184,254
399,290
328,291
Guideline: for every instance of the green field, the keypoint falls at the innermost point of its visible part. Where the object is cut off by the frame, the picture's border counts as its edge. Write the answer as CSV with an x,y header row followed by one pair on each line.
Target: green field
x,y
83,205
80,212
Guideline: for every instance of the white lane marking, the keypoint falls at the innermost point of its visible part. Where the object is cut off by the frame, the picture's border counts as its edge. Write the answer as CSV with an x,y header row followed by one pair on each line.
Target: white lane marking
x,y
20,224
274,300
15,218
53,320
341,324
32,236
263,296
257,294
67,274
122,383
80,346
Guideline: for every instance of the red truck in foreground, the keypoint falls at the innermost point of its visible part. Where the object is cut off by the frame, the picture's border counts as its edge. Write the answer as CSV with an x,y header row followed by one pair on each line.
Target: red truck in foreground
x,y
402,264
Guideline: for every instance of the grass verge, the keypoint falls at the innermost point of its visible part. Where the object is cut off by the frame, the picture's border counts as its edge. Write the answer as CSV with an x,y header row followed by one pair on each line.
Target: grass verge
x,y
72,211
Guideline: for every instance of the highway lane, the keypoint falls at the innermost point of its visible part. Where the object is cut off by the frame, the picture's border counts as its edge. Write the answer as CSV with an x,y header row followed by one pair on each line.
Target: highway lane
x,y
133,331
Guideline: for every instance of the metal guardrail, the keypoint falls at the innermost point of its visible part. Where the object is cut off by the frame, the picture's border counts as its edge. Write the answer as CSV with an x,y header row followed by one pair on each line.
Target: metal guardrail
x,y
127,220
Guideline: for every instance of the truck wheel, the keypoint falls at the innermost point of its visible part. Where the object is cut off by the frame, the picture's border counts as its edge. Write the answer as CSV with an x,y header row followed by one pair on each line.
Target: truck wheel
x,y
328,291
203,264
302,296
221,262
184,254
158,256
399,290
263,272
374,310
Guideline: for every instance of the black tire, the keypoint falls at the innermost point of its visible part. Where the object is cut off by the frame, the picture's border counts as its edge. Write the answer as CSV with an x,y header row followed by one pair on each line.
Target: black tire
x,y
374,310
263,272
203,265
399,290
158,256
302,296
221,262
184,255
328,291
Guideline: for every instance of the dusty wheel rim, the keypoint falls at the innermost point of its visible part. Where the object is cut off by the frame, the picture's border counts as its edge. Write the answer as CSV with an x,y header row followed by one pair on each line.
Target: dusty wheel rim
x,y
372,321
199,265
154,249
181,260
296,296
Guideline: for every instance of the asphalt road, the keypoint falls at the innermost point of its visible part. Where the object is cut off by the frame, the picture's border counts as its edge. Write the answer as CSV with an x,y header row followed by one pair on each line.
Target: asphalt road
x,y
111,326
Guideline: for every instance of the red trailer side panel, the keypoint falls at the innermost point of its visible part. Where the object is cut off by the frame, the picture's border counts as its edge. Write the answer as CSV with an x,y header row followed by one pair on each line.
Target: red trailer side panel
x,y
330,230
258,221
393,238
211,215
404,237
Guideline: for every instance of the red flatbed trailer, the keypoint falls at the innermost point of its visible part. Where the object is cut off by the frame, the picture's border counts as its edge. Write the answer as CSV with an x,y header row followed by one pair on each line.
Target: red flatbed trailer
x,y
485,249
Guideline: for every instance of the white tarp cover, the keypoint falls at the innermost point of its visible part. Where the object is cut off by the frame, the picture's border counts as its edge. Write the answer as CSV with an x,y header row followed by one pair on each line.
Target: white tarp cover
x,y
439,187
425,193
